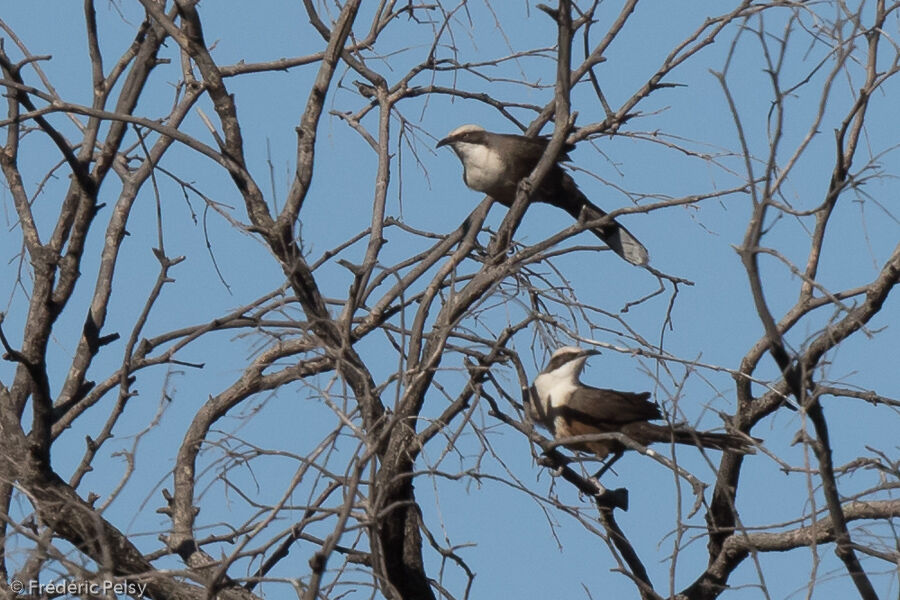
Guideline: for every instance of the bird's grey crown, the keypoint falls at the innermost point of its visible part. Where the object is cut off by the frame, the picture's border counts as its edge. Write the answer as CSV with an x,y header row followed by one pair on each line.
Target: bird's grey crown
x,y
465,129
469,133
567,354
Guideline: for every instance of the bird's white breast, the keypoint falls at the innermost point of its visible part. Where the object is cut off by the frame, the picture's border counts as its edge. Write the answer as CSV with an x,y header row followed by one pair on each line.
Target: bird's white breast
x,y
483,167
555,388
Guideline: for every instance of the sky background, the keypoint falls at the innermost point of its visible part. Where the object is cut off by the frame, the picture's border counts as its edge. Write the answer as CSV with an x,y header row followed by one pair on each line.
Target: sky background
x,y
502,533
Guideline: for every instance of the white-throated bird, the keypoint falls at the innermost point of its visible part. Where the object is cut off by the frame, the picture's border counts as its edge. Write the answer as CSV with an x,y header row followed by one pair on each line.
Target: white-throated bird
x,y
495,163
567,407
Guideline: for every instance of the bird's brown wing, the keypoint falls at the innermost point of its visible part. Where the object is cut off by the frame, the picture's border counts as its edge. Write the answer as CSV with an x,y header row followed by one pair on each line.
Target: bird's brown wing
x,y
590,410
529,150
608,410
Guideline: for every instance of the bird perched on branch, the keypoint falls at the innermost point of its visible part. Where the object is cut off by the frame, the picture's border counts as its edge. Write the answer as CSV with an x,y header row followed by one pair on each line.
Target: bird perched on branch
x,y
568,408
495,163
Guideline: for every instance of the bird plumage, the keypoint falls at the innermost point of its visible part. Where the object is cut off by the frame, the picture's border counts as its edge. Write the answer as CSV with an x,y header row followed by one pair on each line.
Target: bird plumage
x,y
568,408
495,163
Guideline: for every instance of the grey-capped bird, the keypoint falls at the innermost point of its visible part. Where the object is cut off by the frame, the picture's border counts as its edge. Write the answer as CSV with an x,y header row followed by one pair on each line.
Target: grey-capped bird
x,y
494,163
567,407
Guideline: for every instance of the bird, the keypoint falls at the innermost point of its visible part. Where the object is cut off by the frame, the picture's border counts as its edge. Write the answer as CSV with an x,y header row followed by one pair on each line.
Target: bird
x,y
494,163
567,407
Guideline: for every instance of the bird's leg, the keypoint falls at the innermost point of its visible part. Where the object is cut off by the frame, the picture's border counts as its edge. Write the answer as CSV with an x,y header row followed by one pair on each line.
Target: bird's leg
x,y
609,462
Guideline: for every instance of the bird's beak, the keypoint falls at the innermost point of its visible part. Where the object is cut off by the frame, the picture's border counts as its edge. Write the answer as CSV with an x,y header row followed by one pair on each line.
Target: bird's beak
x,y
590,352
443,142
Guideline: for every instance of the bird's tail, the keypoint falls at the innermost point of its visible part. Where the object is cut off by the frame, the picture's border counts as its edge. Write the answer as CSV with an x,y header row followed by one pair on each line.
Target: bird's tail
x,y
614,235
620,240
682,434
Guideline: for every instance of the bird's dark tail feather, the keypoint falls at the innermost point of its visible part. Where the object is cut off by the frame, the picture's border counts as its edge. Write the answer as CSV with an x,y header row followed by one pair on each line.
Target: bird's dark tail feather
x,y
682,434
619,239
